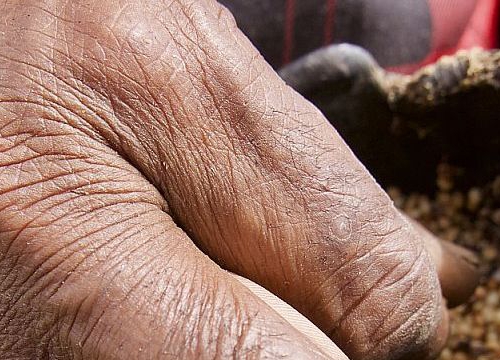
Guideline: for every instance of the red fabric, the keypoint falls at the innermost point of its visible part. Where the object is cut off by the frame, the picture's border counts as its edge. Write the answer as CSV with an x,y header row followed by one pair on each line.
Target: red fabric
x,y
329,22
457,25
483,28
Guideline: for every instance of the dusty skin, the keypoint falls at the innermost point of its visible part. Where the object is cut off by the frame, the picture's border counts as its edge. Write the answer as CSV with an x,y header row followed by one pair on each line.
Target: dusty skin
x,y
138,136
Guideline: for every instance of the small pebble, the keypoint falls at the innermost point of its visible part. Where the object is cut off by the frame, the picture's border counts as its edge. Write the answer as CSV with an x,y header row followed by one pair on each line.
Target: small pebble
x,y
474,198
490,253
480,293
492,299
495,217
471,219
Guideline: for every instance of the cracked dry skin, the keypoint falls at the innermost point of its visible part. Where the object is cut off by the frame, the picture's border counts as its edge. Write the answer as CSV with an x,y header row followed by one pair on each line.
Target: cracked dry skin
x,y
131,132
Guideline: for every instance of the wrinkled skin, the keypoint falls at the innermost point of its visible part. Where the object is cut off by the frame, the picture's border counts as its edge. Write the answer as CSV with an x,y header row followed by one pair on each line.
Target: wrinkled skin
x,y
135,136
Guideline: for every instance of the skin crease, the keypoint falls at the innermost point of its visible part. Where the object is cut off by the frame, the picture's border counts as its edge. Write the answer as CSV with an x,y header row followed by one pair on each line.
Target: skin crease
x,y
131,131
